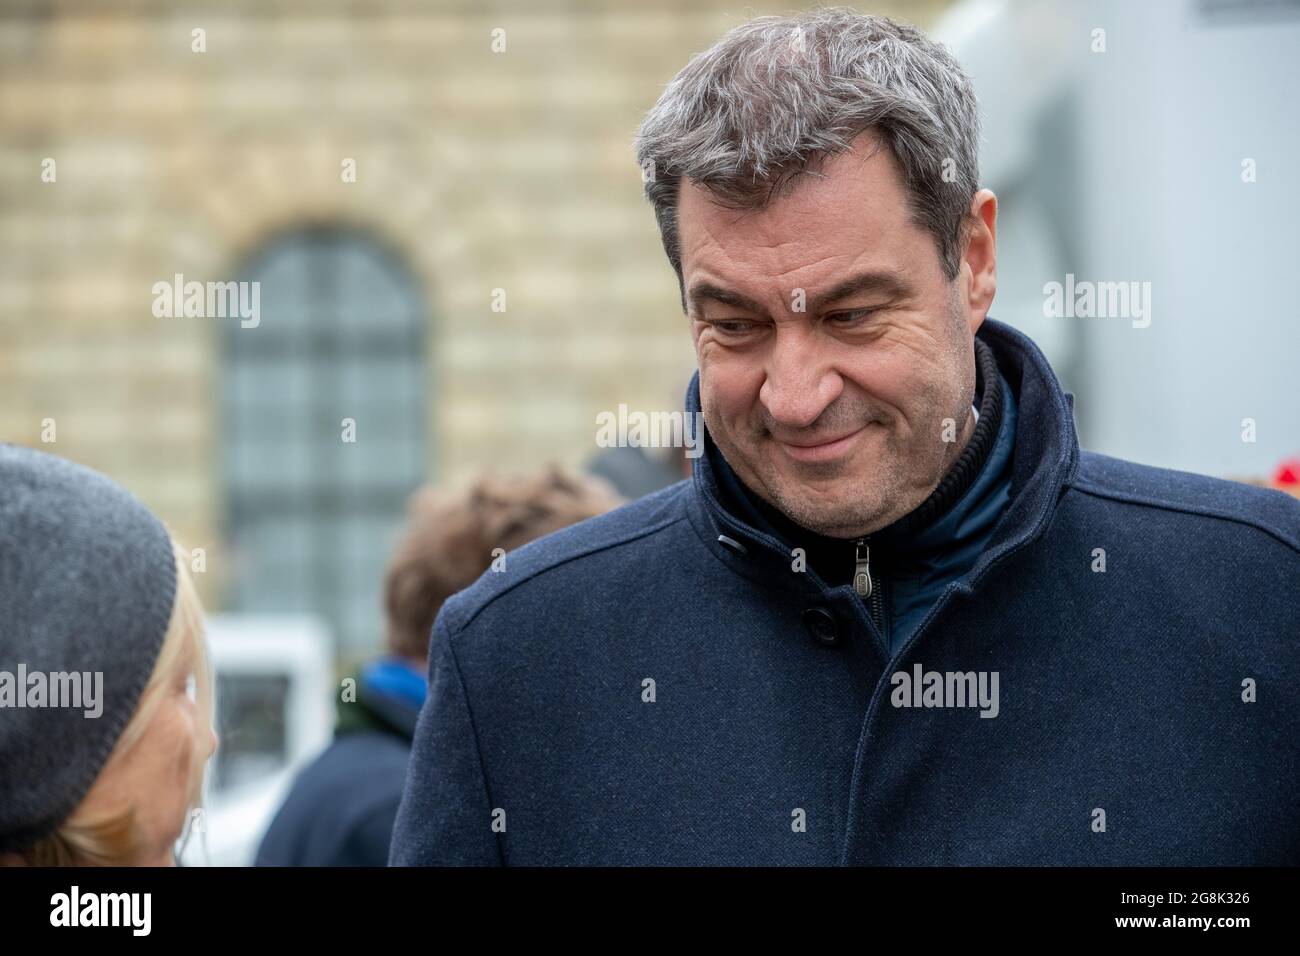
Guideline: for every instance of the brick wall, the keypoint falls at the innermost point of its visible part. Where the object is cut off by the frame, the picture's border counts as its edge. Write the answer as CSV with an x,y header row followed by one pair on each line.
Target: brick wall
x,y
484,170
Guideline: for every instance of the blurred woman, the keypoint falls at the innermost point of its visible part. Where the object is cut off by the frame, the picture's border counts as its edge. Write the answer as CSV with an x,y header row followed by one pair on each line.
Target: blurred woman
x,y
105,689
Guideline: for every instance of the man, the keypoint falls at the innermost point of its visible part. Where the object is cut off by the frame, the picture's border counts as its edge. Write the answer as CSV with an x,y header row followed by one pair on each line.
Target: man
x,y
896,616
341,808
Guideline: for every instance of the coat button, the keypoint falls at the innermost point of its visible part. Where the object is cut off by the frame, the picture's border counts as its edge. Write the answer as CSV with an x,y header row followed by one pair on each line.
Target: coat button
x,y
821,625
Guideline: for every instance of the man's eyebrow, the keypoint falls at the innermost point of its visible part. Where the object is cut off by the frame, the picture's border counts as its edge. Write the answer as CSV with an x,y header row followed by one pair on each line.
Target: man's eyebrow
x,y
887,283
890,284
704,291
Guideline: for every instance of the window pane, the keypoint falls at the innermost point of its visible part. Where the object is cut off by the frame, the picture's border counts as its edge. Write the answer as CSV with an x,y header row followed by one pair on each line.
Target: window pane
x,y
312,517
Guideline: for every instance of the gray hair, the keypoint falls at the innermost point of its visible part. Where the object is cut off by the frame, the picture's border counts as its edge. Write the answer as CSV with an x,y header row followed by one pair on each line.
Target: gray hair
x,y
774,95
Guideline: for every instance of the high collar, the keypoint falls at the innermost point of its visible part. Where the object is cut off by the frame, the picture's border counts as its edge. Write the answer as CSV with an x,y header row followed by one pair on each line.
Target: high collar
x,y
389,696
1044,460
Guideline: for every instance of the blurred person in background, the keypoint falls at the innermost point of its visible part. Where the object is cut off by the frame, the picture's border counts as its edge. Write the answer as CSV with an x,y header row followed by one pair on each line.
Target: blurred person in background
x,y
635,472
341,808
105,690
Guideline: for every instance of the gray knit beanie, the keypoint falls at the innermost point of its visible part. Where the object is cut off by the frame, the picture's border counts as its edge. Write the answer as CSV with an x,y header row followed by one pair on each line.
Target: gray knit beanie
x,y
87,581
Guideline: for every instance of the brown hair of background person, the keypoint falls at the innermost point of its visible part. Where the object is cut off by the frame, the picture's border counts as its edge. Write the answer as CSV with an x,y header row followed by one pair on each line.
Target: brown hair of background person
x,y
451,535
341,809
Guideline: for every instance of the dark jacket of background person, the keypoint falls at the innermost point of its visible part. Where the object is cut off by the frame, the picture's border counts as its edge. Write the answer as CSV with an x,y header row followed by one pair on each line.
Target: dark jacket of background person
x,y
771,738
340,810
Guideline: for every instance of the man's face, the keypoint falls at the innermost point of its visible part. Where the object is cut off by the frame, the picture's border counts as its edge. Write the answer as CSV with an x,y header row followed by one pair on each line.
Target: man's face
x,y
843,407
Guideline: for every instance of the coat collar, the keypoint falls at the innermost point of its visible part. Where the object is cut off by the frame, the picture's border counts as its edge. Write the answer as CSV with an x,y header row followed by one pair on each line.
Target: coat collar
x,y
1044,463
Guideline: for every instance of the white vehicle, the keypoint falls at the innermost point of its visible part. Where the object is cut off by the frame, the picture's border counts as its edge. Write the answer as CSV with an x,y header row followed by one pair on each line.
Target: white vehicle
x,y
273,714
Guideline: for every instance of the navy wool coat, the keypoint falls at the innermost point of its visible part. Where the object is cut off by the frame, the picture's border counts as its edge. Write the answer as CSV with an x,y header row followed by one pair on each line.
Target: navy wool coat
x,y
658,686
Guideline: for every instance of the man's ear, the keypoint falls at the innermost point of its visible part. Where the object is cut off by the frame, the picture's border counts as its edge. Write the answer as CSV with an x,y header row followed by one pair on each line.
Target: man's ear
x,y
979,264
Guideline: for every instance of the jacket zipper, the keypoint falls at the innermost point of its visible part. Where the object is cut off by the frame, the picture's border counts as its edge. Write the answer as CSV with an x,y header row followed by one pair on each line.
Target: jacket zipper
x,y
864,586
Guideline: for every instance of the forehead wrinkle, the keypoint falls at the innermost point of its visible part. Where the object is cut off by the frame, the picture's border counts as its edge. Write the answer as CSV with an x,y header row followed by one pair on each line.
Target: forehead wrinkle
x,y
782,294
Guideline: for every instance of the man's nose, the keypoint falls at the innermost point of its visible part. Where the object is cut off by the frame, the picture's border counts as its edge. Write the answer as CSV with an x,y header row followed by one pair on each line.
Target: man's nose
x,y
800,384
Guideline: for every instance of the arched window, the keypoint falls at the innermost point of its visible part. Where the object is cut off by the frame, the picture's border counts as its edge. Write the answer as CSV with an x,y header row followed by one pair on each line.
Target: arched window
x,y
311,517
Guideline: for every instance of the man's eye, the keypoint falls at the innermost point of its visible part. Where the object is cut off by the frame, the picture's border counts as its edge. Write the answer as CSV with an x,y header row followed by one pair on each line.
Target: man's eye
x,y
849,319
733,327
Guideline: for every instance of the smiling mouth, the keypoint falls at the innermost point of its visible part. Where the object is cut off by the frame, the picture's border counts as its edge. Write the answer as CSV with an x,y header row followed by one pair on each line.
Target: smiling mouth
x,y
822,451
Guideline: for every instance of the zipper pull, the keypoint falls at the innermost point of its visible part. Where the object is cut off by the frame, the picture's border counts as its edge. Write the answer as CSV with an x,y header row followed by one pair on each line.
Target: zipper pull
x,y
862,568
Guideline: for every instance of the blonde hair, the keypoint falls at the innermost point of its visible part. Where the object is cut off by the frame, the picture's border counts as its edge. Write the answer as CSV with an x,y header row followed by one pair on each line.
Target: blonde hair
x,y
114,839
